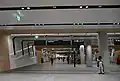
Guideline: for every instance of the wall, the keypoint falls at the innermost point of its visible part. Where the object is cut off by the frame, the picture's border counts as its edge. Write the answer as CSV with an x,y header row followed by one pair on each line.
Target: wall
x,y
19,60
4,59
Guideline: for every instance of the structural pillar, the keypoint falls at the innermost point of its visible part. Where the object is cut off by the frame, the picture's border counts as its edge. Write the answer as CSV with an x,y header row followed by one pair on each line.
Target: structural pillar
x,y
88,53
4,53
103,47
39,56
82,54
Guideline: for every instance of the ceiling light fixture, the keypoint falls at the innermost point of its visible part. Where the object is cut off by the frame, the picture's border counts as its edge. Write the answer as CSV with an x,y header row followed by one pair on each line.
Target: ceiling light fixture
x,y
36,37
81,23
99,6
80,6
98,23
22,8
28,8
114,23
86,6
54,6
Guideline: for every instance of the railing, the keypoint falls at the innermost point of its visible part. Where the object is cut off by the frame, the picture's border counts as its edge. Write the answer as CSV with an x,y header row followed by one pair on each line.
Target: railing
x,y
20,55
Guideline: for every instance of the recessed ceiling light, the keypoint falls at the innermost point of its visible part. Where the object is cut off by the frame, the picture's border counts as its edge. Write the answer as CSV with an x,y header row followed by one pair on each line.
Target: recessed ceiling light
x,y
54,6
99,6
77,40
86,6
114,23
98,23
28,8
22,8
80,6
73,23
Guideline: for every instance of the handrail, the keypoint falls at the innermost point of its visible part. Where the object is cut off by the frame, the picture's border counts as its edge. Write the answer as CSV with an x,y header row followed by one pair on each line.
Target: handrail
x,y
20,50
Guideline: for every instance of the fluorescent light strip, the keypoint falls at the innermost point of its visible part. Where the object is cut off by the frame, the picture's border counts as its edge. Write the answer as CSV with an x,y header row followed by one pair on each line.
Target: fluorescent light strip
x,y
20,34
61,34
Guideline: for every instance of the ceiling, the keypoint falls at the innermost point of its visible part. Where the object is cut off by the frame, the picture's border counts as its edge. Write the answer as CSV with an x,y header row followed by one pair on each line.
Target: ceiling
x,y
54,2
59,16
62,30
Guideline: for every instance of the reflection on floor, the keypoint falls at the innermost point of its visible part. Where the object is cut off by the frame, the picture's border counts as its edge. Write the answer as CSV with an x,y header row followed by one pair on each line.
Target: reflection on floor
x,y
64,68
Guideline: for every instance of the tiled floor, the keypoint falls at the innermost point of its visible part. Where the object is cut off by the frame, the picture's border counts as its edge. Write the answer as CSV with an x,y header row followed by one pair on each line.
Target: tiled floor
x,y
65,73
58,77
60,67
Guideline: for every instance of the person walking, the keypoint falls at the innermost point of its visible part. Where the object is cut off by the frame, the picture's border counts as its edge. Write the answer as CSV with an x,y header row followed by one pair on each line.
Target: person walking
x,y
100,65
52,60
68,59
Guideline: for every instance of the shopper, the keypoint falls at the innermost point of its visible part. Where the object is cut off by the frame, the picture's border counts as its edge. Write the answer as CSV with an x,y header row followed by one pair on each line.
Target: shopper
x,y
100,65
52,60
118,60
68,59
63,59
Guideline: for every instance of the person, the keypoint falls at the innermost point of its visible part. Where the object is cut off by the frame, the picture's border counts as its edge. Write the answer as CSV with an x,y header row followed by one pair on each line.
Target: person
x,y
68,59
52,60
63,59
118,60
100,65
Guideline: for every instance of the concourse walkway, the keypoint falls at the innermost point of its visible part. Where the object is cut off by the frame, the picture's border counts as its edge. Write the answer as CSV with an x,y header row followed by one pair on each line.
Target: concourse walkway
x,y
58,77
60,67
58,72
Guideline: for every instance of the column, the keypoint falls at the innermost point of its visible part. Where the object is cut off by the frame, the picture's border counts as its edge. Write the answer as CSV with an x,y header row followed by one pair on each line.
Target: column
x,y
88,53
103,47
82,54
4,57
38,55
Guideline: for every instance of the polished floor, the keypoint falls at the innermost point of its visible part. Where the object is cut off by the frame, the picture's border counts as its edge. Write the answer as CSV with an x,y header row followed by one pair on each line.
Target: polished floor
x,y
60,67
58,72
58,77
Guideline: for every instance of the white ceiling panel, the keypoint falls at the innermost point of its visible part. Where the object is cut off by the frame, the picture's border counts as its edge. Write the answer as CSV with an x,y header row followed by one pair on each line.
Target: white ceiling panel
x,y
61,16
54,2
